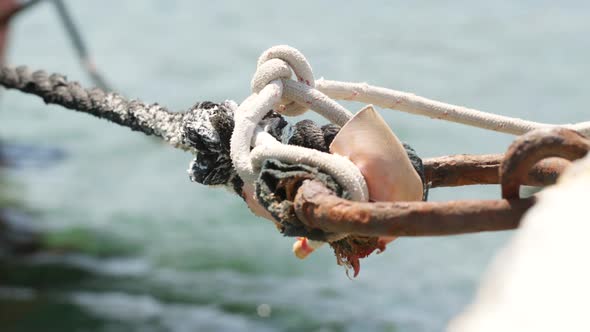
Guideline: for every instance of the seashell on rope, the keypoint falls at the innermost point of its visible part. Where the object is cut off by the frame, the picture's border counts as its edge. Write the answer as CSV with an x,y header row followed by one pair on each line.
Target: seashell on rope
x,y
232,143
364,144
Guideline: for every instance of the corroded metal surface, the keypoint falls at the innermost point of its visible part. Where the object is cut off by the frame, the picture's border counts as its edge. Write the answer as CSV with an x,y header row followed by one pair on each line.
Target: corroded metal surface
x,y
527,150
529,160
465,169
317,207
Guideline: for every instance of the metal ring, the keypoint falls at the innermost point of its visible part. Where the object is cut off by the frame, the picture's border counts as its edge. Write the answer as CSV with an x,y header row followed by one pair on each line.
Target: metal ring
x,y
533,147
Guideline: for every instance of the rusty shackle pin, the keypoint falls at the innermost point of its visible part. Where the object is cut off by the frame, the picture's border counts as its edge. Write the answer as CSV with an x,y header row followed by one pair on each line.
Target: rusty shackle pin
x,y
319,208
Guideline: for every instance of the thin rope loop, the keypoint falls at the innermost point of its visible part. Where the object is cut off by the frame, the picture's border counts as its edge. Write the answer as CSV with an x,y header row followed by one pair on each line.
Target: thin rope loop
x,y
273,69
292,58
280,62
340,168
247,117
247,133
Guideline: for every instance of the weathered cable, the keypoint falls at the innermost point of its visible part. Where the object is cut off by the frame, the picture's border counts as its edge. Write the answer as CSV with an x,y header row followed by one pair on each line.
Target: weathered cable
x,y
150,119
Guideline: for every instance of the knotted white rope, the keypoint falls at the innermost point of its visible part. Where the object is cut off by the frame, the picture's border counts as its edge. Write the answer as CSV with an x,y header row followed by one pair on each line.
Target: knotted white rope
x,y
274,89
410,103
316,98
276,64
271,80
299,95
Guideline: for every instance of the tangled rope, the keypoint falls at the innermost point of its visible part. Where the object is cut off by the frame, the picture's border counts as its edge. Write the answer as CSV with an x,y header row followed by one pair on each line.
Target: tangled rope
x,y
244,146
267,88
273,89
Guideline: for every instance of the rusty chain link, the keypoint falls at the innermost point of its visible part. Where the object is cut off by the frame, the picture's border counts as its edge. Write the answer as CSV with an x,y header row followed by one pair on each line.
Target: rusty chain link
x,y
524,163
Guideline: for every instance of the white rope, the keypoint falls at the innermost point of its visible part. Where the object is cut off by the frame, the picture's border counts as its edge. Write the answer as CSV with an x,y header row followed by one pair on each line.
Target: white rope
x,y
303,93
270,83
274,68
581,127
273,88
275,63
340,168
267,147
410,103
249,113
317,101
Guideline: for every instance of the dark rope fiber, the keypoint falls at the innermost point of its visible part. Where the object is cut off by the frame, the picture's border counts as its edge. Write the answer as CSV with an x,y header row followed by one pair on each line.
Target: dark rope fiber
x,y
205,129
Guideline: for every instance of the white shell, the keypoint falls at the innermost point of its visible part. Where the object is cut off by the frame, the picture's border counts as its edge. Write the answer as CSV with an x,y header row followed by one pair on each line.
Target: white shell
x,y
371,145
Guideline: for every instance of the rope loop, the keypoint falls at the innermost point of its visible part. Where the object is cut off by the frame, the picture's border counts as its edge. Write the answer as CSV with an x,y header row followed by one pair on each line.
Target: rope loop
x,y
250,145
273,69
294,58
272,65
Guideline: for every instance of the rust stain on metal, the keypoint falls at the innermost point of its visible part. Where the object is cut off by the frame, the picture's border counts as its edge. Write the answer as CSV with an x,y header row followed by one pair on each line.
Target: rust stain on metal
x,y
531,148
465,169
315,207
536,158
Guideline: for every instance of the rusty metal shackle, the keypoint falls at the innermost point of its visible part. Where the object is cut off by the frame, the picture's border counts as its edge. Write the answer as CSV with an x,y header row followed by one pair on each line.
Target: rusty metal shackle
x,y
533,147
319,208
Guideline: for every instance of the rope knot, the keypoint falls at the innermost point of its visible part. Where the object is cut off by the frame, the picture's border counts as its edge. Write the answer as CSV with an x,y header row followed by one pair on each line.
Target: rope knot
x,y
280,62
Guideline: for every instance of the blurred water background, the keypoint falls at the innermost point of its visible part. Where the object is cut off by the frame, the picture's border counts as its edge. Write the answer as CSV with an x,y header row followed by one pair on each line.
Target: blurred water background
x,y
131,245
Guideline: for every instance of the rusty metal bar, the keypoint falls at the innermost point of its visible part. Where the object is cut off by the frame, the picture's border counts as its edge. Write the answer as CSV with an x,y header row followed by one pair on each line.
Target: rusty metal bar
x,y
532,147
465,169
318,208
525,163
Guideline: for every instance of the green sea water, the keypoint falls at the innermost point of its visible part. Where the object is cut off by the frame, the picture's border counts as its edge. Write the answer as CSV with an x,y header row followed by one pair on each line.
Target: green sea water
x,y
135,246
